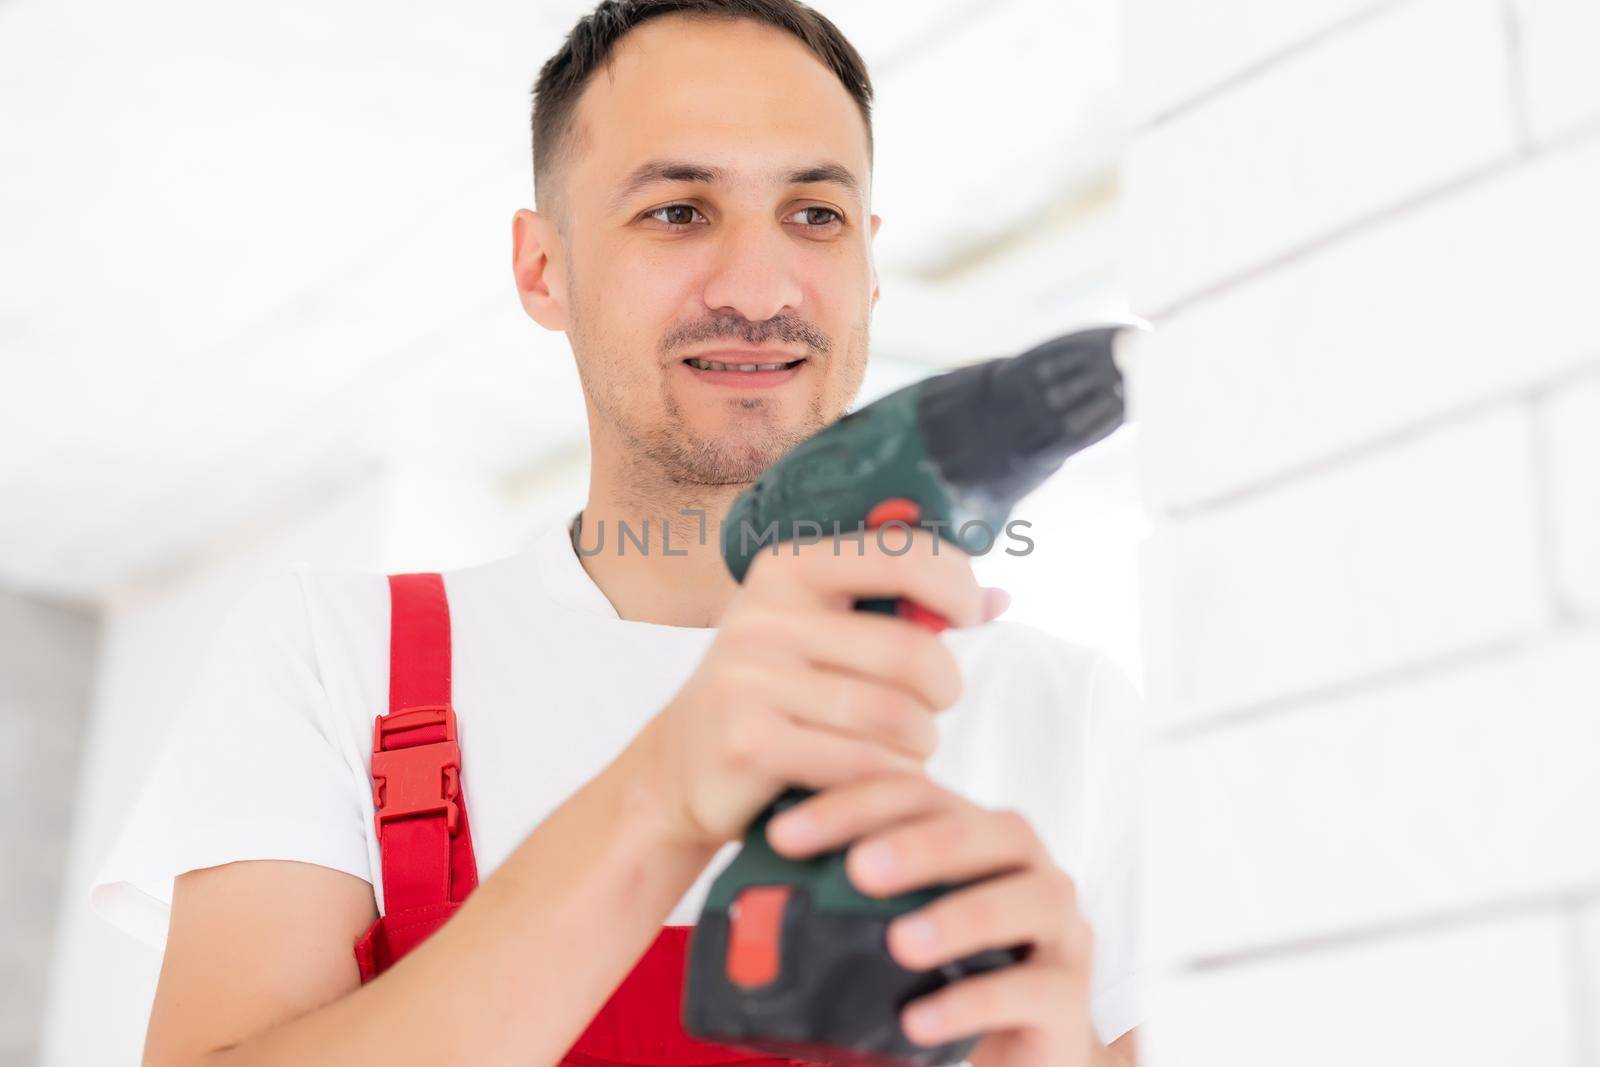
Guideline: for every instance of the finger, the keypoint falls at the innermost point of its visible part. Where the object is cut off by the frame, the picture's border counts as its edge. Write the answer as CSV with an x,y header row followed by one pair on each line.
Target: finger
x,y
819,759
856,706
995,601
955,845
1033,996
842,815
874,646
1035,907
886,562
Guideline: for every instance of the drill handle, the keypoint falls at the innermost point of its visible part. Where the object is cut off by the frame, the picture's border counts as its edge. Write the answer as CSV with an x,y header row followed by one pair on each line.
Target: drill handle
x,y
897,510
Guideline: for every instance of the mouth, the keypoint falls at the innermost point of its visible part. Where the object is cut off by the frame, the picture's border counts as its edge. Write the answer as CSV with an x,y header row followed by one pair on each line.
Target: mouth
x,y
744,370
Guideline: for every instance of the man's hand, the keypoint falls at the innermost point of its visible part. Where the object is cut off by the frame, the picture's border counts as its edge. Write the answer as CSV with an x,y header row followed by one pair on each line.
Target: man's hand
x,y
800,689
910,833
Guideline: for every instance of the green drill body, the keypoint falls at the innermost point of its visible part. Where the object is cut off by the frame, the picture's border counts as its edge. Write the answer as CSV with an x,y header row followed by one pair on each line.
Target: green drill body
x,y
962,447
826,486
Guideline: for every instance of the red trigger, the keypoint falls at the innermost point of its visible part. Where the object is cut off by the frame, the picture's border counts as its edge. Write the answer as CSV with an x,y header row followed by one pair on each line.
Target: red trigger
x,y
900,509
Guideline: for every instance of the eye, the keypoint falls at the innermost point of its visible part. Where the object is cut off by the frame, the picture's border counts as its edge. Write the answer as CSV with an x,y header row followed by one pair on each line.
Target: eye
x,y
679,216
817,225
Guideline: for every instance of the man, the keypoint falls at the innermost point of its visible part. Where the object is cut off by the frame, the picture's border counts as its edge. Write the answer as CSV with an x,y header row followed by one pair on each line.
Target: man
x,y
702,175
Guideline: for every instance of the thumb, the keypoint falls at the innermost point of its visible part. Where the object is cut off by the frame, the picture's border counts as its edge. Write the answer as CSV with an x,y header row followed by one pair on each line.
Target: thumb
x,y
995,601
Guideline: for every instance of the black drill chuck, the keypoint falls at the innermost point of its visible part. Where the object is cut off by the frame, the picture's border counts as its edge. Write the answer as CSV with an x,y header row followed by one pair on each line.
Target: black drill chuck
x,y
1004,426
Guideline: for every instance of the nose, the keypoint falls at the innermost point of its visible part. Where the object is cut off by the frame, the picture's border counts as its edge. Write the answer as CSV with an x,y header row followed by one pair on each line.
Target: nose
x,y
754,272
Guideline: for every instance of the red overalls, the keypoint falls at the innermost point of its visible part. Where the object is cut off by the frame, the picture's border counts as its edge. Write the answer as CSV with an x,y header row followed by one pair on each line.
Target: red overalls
x,y
428,865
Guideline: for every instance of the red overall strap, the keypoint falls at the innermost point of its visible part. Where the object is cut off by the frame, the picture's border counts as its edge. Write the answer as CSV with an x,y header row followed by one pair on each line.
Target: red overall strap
x,y
428,865
421,816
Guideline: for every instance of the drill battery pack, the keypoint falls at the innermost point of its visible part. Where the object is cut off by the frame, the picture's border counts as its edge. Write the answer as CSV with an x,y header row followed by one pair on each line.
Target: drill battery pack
x,y
800,967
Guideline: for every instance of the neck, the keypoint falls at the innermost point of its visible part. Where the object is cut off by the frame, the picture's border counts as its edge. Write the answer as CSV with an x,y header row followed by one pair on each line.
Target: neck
x,y
657,556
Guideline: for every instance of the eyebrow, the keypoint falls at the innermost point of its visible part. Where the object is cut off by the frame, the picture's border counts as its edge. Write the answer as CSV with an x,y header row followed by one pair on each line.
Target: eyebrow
x,y
675,170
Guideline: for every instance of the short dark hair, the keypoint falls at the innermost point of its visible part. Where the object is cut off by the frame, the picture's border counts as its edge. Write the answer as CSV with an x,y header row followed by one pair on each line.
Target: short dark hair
x,y
592,41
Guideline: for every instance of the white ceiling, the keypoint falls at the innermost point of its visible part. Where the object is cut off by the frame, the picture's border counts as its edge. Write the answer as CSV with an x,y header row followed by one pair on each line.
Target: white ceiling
x,y
237,240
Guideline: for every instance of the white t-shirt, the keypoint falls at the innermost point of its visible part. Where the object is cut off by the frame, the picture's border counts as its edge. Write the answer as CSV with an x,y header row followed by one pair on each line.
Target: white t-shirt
x,y
271,754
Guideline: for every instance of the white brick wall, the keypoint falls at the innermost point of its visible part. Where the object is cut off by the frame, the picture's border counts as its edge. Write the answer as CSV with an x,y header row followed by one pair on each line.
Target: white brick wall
x,y
1284,157
1455,790
1369,235
1560,50
1184,50
1300,363
1586,976
1489,996
1422,550
1571,448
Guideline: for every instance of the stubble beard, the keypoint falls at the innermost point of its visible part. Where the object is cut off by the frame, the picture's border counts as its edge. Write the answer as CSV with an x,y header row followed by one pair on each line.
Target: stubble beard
x,y
667,458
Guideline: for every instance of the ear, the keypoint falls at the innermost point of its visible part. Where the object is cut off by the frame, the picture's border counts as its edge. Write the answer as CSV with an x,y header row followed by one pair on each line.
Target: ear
x,y
877,221
535,255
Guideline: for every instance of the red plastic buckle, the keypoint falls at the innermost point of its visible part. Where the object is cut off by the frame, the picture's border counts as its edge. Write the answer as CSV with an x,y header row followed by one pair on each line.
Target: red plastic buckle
x,y
417,779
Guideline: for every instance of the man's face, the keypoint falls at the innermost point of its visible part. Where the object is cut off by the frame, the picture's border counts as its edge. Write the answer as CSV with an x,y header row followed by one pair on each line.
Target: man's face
x,y
717,217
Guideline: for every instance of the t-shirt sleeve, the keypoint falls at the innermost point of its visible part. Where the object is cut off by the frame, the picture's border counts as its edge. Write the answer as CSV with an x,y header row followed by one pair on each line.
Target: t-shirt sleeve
x,y
251,769
1111,893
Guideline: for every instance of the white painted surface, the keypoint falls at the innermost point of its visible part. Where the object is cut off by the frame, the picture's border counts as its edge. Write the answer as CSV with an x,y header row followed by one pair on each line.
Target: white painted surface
x,y
1560,40
1367,336
1353,125
1183,50
1426,549
1368,443
1569,447
1470,785
1490,995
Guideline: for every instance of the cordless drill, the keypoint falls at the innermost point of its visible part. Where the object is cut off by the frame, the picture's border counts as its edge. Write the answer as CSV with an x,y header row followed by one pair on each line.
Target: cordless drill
x,y
788,957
